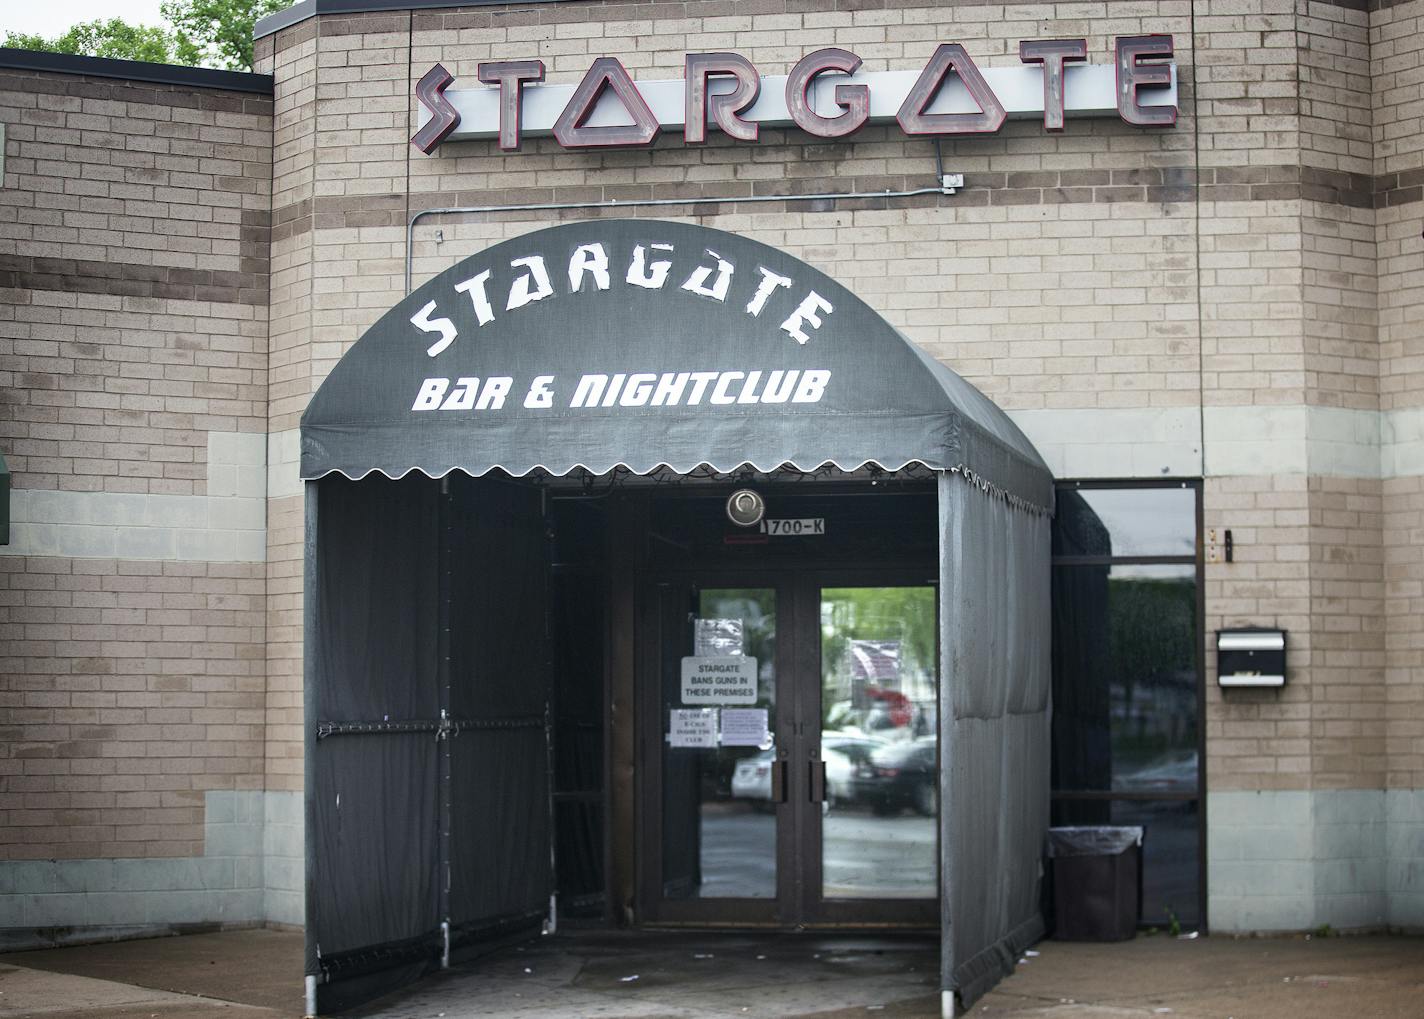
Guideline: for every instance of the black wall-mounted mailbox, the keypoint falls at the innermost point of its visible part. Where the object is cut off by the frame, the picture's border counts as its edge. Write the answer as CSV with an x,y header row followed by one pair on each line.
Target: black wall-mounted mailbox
x,y
1251,656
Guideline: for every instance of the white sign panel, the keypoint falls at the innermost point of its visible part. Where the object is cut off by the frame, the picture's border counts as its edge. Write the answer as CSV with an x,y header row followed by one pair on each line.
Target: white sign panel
x,y
745,727
719,679
692,727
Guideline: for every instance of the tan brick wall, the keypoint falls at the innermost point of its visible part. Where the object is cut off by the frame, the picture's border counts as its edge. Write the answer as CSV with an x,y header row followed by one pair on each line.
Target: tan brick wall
x,y
291,56
1397,63
1404,603
1397,67
133,260
1039,307
283,749
129,689
293,65
1401,298
1307,559
1247,70
1335,87
1030,282
134,250
1263,254
1348,707
363,153
1261,739
1064,277
1341,319
1252,303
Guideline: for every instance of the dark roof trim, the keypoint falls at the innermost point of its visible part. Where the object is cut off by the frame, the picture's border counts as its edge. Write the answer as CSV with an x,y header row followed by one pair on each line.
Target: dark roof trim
x,y
135,70
312,8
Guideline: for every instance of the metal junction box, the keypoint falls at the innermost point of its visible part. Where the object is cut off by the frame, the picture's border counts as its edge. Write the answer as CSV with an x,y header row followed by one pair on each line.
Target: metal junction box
x,y
1251,656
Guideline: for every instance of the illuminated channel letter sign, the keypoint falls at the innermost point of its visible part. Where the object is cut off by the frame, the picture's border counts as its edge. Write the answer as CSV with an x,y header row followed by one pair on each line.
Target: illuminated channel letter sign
x,y
826,94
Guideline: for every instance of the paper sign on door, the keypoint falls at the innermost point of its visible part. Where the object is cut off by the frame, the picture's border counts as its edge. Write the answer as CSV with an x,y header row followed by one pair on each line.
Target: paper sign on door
x,y
745,727
692,727
721,679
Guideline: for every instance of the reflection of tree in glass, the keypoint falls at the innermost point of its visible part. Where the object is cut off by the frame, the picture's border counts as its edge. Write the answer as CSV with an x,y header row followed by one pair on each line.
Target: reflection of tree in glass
x,y
756,608
1152,628
904,615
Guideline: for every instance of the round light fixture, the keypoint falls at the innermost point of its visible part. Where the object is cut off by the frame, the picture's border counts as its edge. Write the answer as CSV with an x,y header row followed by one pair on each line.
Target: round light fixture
x,y
745,508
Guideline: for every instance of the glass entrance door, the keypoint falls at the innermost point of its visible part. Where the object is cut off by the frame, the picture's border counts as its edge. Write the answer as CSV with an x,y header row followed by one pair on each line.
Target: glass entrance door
x,y
876,836
714,800
790,776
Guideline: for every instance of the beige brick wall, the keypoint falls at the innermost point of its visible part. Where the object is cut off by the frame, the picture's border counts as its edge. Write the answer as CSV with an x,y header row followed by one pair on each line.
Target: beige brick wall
x,y
1252,303
1262,256
129,690
283,750
1247,69
1397,64
291,58
1341,319
1261,739
1397,68
1336,92
1404,603
1073,273
133,328
133,259
1348,707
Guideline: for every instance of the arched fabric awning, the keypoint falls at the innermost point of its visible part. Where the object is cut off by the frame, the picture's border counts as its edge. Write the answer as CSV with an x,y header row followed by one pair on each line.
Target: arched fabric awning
x,y
647,344
642,344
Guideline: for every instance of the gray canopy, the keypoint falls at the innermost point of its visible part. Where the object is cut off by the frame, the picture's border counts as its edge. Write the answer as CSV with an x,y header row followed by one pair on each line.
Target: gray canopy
x,y
645,344
640,345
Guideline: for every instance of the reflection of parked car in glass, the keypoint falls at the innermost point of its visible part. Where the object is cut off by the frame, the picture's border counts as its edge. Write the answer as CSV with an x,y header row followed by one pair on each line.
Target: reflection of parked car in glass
x,y
900,775
1166,772
752,778
843,754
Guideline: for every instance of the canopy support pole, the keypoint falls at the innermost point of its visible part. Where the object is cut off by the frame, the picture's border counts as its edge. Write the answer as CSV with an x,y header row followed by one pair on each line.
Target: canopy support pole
x,y
446,777
311,635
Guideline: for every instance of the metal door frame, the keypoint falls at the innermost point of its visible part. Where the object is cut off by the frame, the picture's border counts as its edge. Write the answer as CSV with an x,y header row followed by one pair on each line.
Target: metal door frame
x,y
798,903
652,907
814,909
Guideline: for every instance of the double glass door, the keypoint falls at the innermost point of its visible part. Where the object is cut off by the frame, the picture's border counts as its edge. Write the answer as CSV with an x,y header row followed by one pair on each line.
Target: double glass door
x,y
789,765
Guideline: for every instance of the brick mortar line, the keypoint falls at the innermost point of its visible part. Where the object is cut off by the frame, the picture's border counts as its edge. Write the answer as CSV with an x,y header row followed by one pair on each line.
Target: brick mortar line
x,y
141,93
1067,187
125,279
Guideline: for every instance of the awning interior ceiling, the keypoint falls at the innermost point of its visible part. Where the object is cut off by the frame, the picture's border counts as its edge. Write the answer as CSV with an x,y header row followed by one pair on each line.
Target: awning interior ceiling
x,y
648,344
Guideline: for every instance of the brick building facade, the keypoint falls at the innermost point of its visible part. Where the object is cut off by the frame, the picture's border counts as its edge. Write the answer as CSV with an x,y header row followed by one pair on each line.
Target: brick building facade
x,y
1236,300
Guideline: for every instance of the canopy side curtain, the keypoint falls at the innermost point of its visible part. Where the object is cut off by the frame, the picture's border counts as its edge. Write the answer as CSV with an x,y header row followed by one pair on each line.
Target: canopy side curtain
x,y
994,731
421,808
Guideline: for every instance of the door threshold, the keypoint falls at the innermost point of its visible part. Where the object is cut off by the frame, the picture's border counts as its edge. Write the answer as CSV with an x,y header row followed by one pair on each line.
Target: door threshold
x,y
808,928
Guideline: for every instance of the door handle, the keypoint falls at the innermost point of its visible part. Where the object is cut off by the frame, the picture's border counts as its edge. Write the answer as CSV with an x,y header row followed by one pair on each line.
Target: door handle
x,y
818,781
778,781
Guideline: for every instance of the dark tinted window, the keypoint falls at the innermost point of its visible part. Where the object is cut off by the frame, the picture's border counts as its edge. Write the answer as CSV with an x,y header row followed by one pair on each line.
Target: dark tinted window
x,y
1125,686
1126,679
1125,522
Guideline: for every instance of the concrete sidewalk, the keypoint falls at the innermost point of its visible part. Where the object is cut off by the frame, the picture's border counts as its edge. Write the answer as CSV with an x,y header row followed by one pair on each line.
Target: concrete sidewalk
x,y
257,975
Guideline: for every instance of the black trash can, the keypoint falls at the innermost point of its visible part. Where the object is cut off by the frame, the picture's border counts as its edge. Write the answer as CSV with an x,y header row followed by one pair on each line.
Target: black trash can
x,y
1097,882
